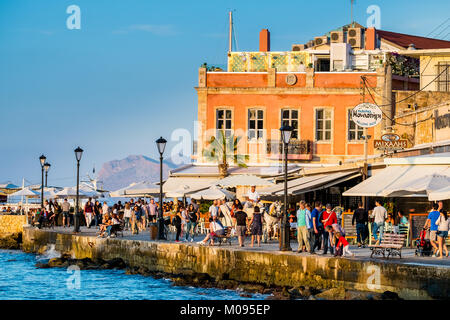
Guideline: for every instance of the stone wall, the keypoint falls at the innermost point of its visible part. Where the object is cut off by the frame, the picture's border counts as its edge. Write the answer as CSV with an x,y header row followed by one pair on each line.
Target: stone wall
x,y
10,224
269,268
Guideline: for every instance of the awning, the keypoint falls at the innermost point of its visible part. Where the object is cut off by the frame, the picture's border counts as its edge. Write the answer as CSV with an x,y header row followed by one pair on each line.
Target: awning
x,y
186,184
323,182
292,183
243,180
310,183
440,194
403,181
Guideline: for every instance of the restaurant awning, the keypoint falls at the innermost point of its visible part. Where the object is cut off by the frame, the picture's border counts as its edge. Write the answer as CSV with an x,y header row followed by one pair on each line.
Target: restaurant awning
x,y
243,180
440,194
403,181
323,182
310,183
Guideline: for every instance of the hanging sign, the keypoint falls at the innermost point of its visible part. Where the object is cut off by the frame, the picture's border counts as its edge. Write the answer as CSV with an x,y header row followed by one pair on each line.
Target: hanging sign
x,y
390,141
366,115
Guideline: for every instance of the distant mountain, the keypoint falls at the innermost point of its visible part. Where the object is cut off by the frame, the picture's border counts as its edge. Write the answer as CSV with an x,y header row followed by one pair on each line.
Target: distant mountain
x,y
117,174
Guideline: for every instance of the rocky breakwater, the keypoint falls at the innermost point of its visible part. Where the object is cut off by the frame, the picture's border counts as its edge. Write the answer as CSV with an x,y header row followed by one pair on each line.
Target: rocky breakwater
x,y
206,281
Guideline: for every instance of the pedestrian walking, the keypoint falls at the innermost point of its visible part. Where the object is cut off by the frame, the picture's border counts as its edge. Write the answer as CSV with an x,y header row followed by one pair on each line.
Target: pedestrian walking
x,y
361,217
379,214
443,226
317,225
88,212
302,229
240,222
256,226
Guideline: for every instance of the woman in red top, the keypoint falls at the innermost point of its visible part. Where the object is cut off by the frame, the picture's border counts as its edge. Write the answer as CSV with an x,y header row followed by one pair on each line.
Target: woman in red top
x,y
344,243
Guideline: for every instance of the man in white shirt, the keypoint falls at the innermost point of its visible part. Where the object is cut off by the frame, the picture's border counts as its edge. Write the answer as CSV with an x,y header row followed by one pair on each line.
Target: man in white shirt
x,y
213,209
380,214
253,195
152,210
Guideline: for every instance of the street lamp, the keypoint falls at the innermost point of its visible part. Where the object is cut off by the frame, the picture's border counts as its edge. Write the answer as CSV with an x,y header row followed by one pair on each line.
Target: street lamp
x,y
161,144
78,153
42,161
46,168
286,132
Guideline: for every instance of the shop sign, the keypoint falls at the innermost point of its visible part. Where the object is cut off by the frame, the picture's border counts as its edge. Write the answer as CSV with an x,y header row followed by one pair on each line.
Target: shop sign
x,y
366,115
390,141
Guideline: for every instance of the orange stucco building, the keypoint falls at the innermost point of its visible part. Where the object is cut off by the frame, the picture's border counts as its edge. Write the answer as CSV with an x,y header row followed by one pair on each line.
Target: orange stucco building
x,y
254,106
263,90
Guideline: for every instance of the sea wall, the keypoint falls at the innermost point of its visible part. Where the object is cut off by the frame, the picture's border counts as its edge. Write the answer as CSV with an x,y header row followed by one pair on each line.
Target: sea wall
x,y
10,224
268,268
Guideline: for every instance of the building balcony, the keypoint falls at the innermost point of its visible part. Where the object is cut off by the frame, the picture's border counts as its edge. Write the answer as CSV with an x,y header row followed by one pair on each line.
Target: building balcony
x,y
297,149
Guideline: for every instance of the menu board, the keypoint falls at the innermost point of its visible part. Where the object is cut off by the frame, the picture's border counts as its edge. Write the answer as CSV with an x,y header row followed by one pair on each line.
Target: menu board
x,y
350,231
416,222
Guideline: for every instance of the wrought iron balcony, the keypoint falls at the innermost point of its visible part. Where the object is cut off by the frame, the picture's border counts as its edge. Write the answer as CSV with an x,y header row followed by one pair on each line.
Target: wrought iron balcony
x,y
297,149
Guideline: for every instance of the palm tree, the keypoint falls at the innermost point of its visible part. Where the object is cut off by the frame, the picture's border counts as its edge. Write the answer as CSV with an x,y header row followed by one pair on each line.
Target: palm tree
x,y
223,150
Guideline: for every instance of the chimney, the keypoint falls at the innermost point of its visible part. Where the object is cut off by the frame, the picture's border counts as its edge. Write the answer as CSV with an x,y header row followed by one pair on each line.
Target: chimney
x,y
371,38
264,40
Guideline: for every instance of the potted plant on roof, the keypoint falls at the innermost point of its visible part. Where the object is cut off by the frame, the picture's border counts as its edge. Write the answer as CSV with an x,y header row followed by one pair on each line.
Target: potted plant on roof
x,y
223,150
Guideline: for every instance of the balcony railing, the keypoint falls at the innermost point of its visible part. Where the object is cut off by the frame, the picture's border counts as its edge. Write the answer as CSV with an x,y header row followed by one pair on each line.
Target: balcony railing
x,y
289,61
297,149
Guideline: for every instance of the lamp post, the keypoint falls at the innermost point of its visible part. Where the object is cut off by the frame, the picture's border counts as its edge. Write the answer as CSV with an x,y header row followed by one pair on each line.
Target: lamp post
x,y
286,132
78,153
161,144
42,161
46,168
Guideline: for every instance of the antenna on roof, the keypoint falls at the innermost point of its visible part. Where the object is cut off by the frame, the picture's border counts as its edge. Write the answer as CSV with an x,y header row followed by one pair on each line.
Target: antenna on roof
x,y
230,37
352,2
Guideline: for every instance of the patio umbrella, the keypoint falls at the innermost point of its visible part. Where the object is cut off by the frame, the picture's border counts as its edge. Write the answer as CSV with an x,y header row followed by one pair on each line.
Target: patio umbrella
x,y
180,192
25,192
137,189
243,180
213,193
71,192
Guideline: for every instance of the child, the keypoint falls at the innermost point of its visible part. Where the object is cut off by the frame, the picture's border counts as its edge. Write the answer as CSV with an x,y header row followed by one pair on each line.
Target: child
x,y
342,241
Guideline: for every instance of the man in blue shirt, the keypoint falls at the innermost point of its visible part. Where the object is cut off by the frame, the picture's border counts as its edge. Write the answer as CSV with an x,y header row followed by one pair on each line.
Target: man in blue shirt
x,y
431,223
317,226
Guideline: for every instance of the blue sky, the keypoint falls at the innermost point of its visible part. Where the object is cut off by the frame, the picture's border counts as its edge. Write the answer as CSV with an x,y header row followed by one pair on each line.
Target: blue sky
x,y
128,76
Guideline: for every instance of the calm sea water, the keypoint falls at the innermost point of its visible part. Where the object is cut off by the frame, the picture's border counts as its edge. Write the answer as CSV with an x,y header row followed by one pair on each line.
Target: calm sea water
x,y
20,279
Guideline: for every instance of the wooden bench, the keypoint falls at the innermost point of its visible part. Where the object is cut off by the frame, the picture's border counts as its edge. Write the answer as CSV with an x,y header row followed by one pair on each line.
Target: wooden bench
x,y
391,243
226,238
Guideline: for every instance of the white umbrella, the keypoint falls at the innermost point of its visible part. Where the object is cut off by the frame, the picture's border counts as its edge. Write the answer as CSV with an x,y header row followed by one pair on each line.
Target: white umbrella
x,y
243,180
179,192
137,189
71,192
25,192
213,193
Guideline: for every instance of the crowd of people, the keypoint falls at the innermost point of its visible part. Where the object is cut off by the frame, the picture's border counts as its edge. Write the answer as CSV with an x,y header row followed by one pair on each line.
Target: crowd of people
x,y
317,228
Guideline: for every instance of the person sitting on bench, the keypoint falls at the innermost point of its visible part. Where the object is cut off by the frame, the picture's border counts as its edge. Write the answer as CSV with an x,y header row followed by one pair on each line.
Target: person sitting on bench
x,y
215,229
115,222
